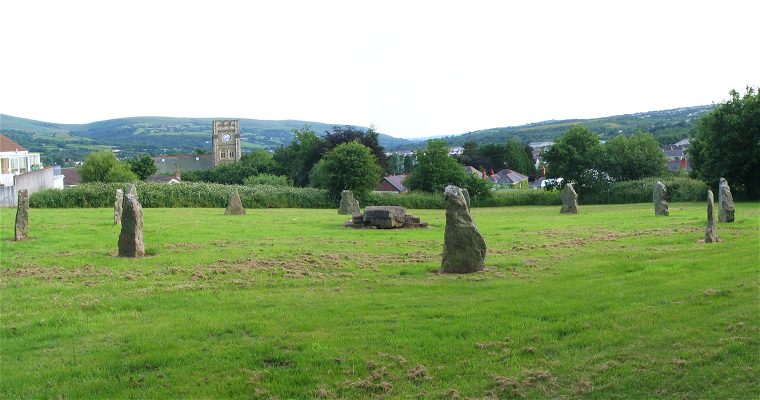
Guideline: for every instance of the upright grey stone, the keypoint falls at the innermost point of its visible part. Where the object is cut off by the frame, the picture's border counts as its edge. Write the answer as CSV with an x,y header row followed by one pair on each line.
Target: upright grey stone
x,y
132,190
725,202
22,216
131,237
348,204
464,249
117,206
466,194
234,206
569,200
660,204
711,232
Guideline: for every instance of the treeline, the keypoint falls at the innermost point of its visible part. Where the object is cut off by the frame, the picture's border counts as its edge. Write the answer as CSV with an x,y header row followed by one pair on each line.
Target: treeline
x,y
579,157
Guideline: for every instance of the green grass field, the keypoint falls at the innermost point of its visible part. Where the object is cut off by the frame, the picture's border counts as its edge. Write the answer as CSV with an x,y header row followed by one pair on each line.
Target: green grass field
x,y
286,303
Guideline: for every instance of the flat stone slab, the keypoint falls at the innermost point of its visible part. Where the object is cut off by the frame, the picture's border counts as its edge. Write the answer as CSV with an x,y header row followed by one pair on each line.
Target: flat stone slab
x,y
385,217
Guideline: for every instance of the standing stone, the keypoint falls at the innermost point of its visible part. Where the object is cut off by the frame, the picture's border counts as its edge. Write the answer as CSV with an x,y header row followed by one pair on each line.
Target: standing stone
x,y
660,205
569,200
132,190
725,202
117,206
131,238
711,232
235,206
348,204
466,194
464,249
22,215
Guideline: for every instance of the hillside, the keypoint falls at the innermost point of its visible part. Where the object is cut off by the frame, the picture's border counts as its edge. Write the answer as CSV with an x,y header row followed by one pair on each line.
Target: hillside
x,y
668,126
161,135
155,135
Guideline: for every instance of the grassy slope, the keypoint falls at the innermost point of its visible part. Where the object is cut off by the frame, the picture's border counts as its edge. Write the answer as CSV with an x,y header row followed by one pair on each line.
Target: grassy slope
x,y
611,303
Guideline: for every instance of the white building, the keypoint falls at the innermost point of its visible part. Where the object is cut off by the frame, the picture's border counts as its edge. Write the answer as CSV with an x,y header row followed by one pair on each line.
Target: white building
x,y
22,170
15,160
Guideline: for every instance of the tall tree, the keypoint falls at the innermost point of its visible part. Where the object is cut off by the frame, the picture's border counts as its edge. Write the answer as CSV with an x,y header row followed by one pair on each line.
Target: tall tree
x,y
635,157
435,169
575,156
350,166
143,166
517,159
347,134
727,144
298,158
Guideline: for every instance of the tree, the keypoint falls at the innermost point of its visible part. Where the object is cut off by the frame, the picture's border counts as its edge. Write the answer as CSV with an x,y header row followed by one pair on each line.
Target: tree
x,y
409,161
104,167
396,164
251,164
517,157
142,166
351,166
727,144
348,134
298,158
635,157
492,156
575,157
435,169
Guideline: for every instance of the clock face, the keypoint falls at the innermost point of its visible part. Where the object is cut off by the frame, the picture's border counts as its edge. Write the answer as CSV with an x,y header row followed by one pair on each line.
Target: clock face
x,y
226,137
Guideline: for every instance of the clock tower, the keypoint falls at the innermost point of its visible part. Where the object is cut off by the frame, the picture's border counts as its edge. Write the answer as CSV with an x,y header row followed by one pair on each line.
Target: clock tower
x,y
225,141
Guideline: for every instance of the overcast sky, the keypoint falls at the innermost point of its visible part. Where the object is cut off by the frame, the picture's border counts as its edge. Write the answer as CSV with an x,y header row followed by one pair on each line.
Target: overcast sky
x,y
410,68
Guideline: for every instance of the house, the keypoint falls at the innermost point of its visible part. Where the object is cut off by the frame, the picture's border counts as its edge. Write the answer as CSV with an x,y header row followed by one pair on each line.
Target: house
x,y
392,184
22,170
71,177
185,162
474,171
543,182
678,158
456,151
508,177
15,160
177,178
678,165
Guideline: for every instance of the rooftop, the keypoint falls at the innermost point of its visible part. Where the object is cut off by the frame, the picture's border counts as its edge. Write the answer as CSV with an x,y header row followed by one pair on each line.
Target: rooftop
x,y
7,144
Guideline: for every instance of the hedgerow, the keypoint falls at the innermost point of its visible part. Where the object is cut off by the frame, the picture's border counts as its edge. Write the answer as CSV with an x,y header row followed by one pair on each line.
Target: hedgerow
x,y
199,194
640,191
185,194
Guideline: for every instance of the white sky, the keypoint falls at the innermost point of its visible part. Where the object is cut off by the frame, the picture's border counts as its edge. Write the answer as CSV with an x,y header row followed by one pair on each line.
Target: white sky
x,y
411,68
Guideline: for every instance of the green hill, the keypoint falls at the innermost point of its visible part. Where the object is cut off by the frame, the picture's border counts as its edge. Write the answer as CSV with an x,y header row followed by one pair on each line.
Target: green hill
x,y
164,135
155,135
668,126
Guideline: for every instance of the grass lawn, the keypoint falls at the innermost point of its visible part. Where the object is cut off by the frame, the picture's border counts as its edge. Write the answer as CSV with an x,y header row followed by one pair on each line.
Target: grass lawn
x,y
286,303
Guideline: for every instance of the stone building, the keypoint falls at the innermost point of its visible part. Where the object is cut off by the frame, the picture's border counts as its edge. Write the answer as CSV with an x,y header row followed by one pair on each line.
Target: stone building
x,y
225,141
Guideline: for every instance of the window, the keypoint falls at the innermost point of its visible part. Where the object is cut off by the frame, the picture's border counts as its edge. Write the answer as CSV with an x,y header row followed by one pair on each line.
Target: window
x,y
232,154
222,154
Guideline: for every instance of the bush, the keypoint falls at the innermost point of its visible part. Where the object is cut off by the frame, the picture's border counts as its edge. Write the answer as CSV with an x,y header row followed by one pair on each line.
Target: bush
x,y
520,198
640,191
268,179
418,200
198,194
186,194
